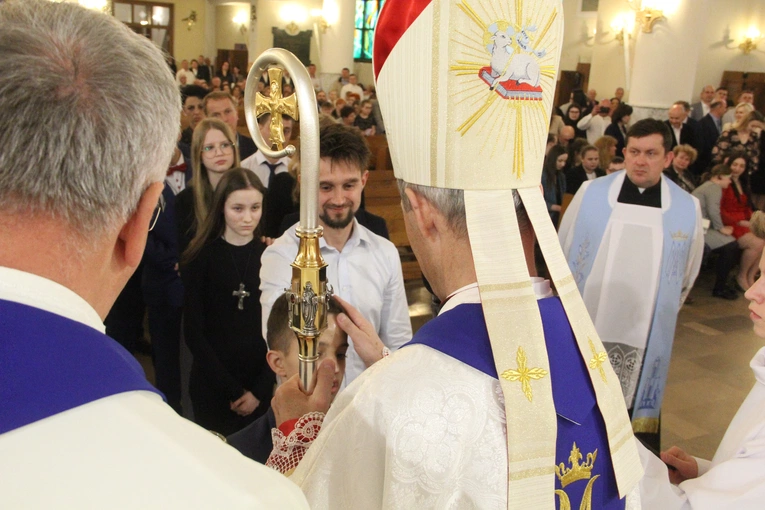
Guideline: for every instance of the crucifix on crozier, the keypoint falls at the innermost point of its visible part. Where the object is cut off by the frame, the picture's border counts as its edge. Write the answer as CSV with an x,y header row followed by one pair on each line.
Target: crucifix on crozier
x,y
241,294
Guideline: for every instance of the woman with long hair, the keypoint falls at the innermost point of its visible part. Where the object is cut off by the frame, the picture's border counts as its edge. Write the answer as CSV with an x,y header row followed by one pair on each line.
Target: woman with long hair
x,y
741,110
230,383
606,150
618,127
736,212
226,75
554,180
718,237
213,153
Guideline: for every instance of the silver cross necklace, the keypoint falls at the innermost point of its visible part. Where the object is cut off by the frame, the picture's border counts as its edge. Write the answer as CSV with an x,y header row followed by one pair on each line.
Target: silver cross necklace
x,y
240,293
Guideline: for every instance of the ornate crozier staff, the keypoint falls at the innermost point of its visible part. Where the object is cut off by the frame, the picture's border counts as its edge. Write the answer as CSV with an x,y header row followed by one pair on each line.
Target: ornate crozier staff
x,y
309,293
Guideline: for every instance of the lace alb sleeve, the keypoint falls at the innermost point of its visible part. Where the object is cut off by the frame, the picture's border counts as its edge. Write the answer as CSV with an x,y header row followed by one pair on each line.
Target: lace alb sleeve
x,y
289,449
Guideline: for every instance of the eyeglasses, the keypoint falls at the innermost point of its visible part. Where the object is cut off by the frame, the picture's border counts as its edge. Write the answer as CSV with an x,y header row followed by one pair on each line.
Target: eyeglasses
x,y
157,210
225,148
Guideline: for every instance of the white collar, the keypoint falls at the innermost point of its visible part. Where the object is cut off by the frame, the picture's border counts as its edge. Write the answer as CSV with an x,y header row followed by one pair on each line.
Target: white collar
x,y
469,294
260,158
33,290
358,234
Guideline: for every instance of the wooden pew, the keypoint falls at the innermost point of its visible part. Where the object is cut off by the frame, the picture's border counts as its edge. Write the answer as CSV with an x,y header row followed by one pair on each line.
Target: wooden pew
x,y
380,160
382,198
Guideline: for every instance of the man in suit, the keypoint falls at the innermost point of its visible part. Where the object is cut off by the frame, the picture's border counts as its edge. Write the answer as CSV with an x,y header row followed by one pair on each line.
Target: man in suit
x,y
204,72
222,105
587,171
710,128
682,132
700,109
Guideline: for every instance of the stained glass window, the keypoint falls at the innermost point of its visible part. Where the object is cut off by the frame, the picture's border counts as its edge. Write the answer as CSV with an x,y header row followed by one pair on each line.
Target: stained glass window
x,y
366,20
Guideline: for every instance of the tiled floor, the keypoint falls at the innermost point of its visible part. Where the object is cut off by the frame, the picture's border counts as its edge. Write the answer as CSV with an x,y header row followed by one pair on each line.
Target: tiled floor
x,y
709,374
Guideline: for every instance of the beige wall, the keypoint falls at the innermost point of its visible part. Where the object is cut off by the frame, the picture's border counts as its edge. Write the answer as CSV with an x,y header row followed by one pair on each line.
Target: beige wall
x,y
716,58
187,44
731,17
269,16
228,33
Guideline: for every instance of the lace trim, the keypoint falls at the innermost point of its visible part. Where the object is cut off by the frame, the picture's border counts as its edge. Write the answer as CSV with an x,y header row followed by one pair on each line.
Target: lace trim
x,y
289,450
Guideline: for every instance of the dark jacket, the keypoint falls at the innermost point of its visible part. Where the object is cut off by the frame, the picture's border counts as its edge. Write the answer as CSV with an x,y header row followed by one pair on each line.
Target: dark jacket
x,y
576,176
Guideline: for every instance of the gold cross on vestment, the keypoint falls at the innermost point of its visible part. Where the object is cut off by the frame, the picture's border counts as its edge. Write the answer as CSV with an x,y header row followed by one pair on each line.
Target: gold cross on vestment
x,y
276,105
596,363
524,374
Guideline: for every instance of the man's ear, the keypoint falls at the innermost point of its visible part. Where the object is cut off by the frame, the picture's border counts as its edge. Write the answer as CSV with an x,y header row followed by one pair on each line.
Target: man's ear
x,y
275,360
424,213
668,158
132,237
364,178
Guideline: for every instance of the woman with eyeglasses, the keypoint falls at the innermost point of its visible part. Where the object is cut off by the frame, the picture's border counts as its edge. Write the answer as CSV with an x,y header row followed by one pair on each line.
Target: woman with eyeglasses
x,y
230,383
213,153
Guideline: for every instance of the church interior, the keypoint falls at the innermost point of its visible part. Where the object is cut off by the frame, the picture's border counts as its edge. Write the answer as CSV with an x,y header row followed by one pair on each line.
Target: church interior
x,y
671,54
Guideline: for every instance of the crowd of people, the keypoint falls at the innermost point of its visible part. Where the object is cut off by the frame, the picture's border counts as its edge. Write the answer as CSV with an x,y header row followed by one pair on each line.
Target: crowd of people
x,y
196,229
713,131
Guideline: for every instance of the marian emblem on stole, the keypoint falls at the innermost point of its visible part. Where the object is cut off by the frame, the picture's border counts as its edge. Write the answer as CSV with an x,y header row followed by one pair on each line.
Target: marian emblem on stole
x,y
678,254
577,472
505,56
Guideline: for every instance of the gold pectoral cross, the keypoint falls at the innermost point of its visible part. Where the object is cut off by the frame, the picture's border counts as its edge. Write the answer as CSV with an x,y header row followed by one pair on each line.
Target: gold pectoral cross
x,y
276,105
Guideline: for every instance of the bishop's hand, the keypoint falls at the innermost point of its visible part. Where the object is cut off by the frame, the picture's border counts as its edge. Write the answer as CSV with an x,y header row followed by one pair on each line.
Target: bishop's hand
x,y
685,466
290,403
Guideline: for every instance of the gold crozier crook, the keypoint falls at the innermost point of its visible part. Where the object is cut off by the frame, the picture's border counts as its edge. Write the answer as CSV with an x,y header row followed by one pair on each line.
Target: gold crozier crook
x,y
277,106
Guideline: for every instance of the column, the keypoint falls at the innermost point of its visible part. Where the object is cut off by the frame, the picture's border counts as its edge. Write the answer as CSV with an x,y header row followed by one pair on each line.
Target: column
x,y
666,60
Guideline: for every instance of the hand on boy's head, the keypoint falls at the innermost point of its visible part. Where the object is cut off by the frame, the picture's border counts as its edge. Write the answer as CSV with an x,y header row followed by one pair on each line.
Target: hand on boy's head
x,y
366,342
290,402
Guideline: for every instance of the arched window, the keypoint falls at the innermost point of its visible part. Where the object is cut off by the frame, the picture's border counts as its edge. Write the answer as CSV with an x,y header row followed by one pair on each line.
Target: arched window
x,y
366,20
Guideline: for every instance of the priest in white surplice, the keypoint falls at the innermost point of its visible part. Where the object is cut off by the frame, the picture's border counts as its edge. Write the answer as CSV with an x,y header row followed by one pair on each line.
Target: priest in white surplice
x,y
735,477
89,127
506,398
634,243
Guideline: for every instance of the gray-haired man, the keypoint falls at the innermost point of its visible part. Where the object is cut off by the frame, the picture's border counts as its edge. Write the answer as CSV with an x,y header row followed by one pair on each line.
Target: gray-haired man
x,y
90,117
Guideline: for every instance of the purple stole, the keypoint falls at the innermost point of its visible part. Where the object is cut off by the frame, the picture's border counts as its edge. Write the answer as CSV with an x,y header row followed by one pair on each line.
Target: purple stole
x,y
50,364
461,333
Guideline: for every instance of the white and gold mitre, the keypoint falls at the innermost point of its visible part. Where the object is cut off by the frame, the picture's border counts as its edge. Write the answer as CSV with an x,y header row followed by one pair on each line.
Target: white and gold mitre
x,y
466,89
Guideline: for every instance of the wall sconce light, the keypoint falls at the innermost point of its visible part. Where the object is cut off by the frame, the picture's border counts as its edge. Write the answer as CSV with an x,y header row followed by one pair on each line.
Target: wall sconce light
x,y
241,20
190,20
750,42
321,21
623,26
646,14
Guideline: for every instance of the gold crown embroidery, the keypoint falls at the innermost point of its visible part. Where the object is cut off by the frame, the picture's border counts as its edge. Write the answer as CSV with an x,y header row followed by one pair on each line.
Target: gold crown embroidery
x,y
578,471
679,236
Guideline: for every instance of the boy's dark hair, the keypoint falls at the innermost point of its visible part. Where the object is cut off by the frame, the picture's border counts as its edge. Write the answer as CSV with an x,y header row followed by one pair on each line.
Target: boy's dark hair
x,y
347,110
278,332
648,127
345,144
617,160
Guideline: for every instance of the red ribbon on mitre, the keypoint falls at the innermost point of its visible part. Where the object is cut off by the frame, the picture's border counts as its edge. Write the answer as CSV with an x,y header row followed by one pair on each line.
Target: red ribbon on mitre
x,y
395,19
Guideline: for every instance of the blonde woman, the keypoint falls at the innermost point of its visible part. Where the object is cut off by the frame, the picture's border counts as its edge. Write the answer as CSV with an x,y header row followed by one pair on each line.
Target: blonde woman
x,y
213,153
606,150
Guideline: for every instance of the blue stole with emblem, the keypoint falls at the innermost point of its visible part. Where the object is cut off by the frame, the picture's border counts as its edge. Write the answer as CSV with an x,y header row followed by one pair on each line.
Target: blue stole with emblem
x,y
679,226
50,364
581,441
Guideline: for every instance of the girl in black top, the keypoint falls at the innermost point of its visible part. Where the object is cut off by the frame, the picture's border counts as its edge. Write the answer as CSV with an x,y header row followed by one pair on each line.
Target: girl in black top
x,y
231,383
